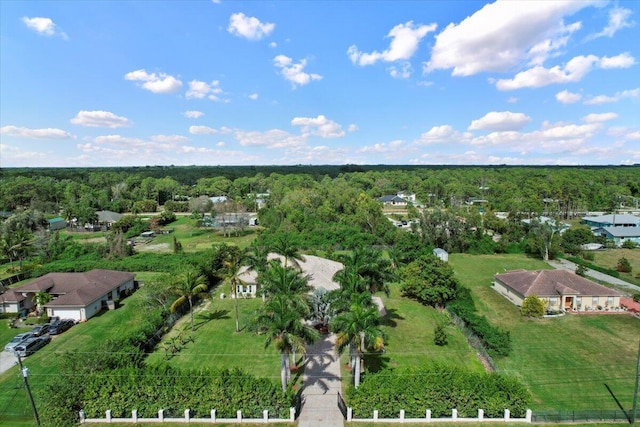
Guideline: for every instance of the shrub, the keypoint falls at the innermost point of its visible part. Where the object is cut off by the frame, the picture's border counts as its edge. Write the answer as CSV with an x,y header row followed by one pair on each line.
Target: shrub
x,y
624,266
532,306
581,270
440,336
636,297
629,244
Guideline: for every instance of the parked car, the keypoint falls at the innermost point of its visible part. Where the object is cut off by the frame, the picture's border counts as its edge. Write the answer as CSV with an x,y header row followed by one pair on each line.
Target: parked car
x,y
30,346
40,330
17,340
61,326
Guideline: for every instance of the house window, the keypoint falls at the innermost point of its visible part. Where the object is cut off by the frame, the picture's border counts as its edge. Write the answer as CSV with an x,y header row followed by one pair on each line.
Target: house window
x,y
609,301
579,300
553,300
594,301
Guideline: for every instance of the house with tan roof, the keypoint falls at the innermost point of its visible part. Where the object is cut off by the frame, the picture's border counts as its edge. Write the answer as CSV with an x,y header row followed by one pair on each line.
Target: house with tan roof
x,y
561,289
77,296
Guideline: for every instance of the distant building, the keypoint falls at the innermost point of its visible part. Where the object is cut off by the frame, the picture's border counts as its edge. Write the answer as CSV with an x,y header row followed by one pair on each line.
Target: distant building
x,y
57,224
619,235
612,220
218,199
442,254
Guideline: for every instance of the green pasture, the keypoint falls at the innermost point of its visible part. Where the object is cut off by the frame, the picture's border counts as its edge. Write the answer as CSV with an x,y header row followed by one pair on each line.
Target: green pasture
x,y
609,259
572,362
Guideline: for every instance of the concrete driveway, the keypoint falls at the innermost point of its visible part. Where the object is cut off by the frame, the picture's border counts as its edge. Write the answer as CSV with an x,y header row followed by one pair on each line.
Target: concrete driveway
x,y
7,360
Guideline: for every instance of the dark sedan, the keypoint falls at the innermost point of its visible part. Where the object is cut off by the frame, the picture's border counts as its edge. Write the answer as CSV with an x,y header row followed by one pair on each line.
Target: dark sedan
x,y
61,326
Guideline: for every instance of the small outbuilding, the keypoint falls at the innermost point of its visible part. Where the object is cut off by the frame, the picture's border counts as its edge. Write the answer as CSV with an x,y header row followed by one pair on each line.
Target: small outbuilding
x,y
442,254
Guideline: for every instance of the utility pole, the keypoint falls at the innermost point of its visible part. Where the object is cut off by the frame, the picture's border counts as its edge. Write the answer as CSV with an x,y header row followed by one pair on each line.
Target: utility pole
x,y
25,373
634,412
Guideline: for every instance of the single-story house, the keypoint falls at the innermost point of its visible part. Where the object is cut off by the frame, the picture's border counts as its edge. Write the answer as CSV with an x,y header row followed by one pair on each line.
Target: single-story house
x,y
77,296
612,220
560,289
619,235
561,226
442,254
409,197
393,200
57,224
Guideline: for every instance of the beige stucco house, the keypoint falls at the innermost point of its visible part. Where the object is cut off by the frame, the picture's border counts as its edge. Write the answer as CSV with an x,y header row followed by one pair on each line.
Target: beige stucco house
x,y
560,289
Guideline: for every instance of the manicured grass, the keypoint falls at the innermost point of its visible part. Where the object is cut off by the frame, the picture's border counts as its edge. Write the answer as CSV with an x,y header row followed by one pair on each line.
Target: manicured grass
x,y
409,326
573,362
217,345
609,259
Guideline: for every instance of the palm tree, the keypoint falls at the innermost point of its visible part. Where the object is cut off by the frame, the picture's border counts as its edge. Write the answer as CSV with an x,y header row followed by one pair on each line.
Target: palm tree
x,y
371,266
283,326
280,280
232,269
283,246
358,329
40,299
189,285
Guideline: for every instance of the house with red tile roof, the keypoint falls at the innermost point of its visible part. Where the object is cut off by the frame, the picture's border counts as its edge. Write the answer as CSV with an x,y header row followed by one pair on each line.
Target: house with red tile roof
x,y
560,289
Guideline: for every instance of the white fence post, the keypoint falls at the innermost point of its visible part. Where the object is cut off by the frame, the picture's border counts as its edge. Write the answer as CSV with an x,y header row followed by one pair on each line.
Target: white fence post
x,y
134,415
82,415
480,414
375,415
265,415
161,415
108,415
292,414
529,414
239,416
507,414
454,414
428,415
187,415
349,414
401,415
213,415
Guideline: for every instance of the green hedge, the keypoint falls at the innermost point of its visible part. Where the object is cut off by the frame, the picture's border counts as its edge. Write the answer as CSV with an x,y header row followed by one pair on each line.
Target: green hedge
x,y
611,272
439,388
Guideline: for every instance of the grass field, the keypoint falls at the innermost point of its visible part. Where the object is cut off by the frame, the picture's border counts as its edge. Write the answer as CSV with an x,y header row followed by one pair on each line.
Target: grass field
x,y
609,259
572,362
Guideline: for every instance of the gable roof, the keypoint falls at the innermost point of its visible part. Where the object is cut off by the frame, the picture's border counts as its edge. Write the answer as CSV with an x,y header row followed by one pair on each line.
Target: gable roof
x,y
548,283
619,231
71,289
613,219
11,296
392,198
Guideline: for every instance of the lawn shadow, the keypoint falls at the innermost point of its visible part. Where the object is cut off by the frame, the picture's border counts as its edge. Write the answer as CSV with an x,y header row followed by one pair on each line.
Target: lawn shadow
x,y
209,316
390,318
375,362
626,414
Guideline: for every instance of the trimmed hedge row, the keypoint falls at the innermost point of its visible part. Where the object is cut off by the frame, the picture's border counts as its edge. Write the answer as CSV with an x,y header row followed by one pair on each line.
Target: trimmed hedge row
x,y
439,388
611,272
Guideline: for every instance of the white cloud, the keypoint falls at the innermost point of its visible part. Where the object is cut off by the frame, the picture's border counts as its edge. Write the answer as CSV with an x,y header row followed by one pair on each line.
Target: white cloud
x,y
320,126
618,19
169,138
206,130
633,135
512,100
500,121
199,89
46,133
477,44
540,76
253,96
249,27
274,138
401,71
388,148
273,45
100,119
43,26
624,60
603,99
119,140
439,134
405,39
294,72
352,128
598,118
566,97
156,83
193,114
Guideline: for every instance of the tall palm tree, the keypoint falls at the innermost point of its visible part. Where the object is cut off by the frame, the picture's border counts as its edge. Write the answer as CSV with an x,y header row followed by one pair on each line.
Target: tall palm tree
x,y
189,285
280,280
358,329
371,266
285,247
284,327
232,269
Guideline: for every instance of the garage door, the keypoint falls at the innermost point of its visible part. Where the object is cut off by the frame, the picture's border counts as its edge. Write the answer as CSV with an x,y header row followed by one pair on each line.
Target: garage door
x,y
67,314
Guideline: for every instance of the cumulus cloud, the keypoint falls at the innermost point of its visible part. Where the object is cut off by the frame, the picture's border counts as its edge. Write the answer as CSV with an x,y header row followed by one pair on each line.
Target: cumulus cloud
x,y
45,133
193,114
206,130
566,97
199,90
439,134
43,26
405,39
352,128
320,126
169,138
633,135
294,72
478,44
604,99
500,121
383,148
156,83
119,140
273,138
619,18
100,119
573,71
249,27
598,118
401,71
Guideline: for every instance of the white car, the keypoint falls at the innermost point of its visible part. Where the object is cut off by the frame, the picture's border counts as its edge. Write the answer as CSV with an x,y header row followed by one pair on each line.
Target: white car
x,y
17,340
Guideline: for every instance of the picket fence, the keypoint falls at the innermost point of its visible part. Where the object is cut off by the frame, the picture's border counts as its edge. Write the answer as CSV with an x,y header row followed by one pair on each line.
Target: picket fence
x,y
187,418
428,419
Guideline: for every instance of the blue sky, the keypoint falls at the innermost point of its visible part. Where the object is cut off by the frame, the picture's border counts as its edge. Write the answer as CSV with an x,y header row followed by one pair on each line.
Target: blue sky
x,y
122,83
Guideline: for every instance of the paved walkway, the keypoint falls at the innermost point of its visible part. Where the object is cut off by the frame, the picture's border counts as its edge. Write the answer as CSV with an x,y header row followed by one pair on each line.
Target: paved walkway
x,y
568,265
321,384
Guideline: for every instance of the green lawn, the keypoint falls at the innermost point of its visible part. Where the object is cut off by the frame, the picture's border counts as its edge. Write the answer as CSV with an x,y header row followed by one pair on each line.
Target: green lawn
x,y
216,343
573,362
609,259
